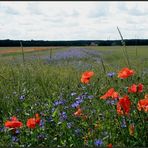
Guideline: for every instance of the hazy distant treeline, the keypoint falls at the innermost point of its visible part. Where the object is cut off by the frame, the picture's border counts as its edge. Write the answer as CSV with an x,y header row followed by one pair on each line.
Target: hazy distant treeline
x,y
27,43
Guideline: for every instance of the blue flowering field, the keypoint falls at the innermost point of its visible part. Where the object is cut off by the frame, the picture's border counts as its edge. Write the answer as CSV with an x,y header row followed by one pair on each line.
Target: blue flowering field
x,y
47,99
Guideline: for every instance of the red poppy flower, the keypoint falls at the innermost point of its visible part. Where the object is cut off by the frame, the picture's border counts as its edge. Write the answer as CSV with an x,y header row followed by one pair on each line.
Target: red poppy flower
x,y
125,73
14,118
86,76
146,96
111,93
140,87
31,123
78,113
115,95
123,106
135,88
143,104
14,123
109,145
37,118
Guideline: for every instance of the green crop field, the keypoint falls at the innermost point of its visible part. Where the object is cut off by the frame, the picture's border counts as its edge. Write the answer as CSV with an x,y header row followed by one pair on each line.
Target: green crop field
x,y
71,113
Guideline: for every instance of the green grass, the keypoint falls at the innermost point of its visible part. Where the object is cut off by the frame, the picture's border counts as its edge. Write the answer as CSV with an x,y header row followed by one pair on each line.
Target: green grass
x,y
43,83
114,54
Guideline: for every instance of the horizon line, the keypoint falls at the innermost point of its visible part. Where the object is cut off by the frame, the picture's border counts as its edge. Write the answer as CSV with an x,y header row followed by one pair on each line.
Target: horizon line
x,y
74,39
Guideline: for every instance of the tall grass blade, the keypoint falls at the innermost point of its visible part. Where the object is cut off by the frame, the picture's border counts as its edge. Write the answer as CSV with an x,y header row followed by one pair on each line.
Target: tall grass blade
x,y
50,53
103,65
124,48
2,77
22,52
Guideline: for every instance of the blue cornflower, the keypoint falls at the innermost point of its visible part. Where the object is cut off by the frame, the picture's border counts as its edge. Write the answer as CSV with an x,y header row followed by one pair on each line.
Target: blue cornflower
x,y
69,124
108,101
111,74
77,131
50,119
22,97
111,102
79,97
98,142
2,129
79,101
42,114
15,139
90,97
42,122
74,105
59,102
41,136
63,116
123,124
17,131
56,103
83,96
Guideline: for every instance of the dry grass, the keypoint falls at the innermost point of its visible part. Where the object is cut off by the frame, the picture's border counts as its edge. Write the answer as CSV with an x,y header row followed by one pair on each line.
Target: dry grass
x,y
8,50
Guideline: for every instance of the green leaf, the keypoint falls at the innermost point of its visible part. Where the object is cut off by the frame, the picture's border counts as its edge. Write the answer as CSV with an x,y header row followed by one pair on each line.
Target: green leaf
x,y
55,112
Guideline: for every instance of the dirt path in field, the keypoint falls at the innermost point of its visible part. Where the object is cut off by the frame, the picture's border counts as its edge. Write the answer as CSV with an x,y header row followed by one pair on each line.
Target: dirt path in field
x,y
8,50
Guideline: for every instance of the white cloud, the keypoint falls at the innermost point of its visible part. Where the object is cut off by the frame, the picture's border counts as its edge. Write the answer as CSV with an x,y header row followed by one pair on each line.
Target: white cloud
x,y
72,20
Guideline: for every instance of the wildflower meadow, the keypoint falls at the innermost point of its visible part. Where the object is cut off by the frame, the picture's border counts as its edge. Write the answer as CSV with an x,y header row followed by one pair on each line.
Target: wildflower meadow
x,y
96,99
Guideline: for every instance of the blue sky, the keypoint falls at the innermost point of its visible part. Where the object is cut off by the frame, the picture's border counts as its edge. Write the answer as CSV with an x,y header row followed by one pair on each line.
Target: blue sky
x,y
73,20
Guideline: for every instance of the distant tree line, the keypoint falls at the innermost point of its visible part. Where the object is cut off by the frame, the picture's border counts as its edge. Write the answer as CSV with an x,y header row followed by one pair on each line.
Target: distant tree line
x,y
28,43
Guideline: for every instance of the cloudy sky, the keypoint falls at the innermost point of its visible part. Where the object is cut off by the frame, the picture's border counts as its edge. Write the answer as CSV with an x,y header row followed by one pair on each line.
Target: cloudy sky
x,y
73,20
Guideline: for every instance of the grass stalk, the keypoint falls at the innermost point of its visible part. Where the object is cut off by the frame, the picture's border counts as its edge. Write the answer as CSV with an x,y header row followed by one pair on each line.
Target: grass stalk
x,y
22,52
124,48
